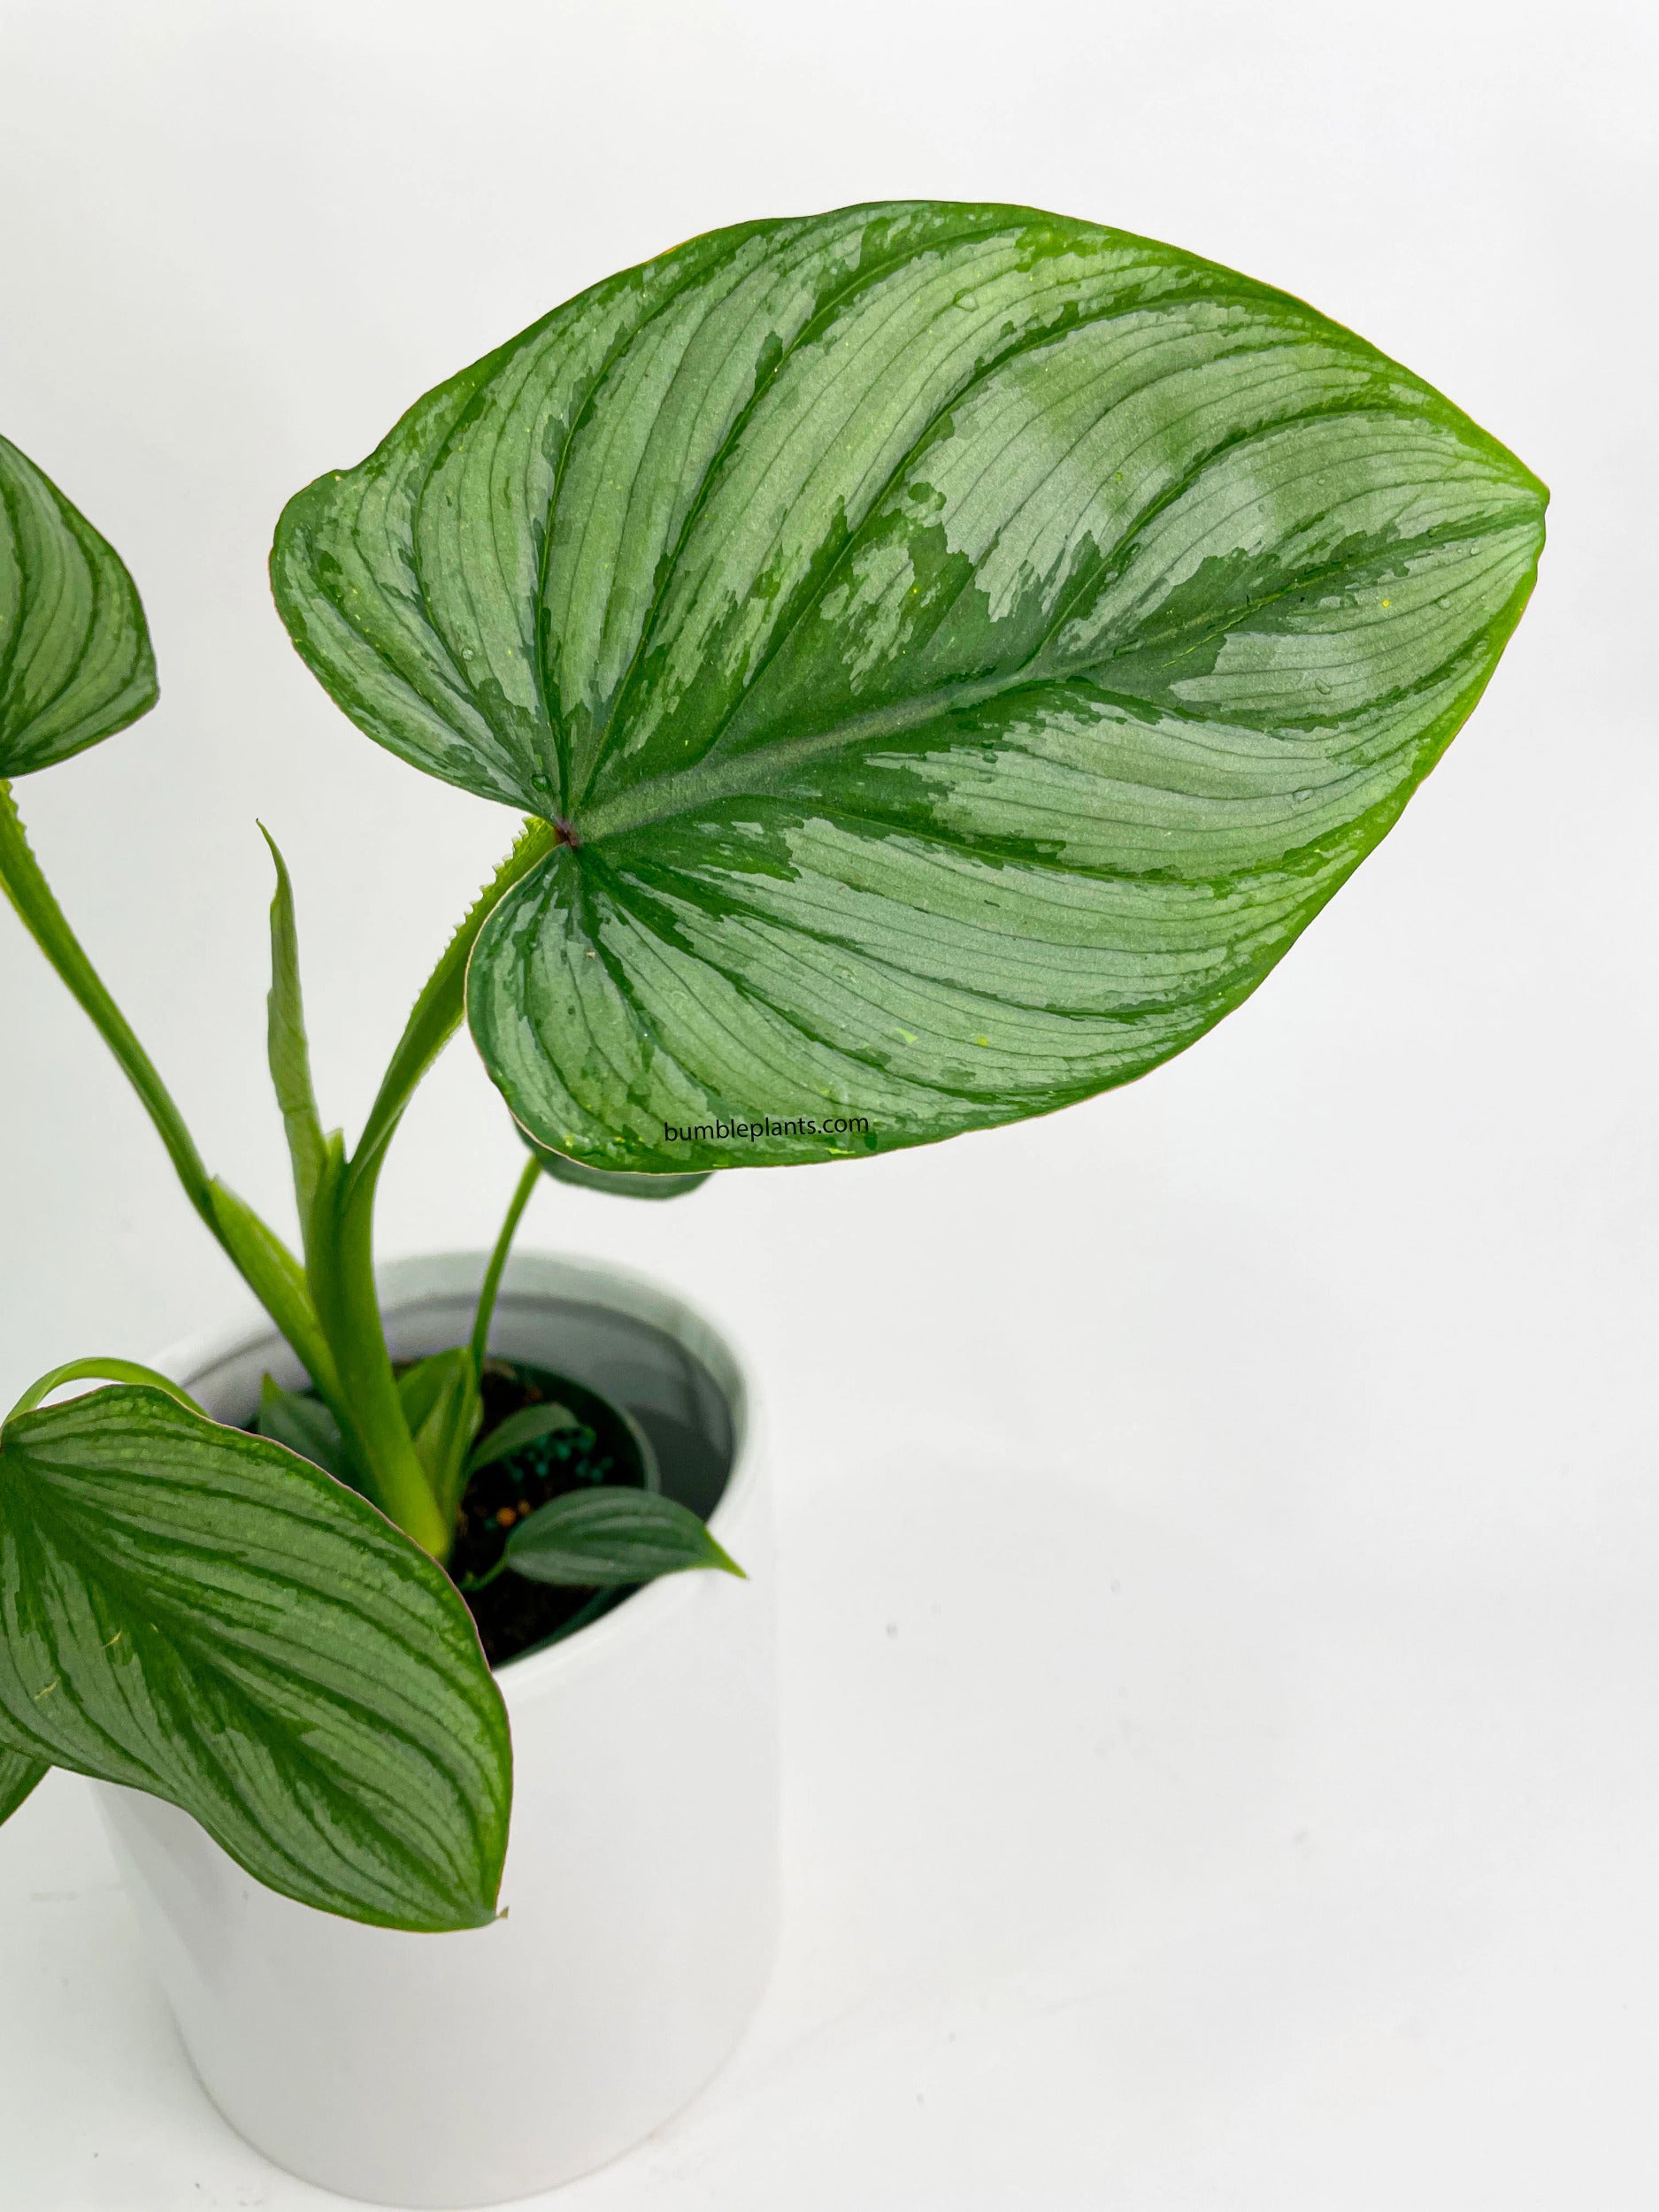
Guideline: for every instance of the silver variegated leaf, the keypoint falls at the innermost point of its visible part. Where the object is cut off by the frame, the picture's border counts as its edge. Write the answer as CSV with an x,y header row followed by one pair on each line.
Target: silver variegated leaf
x,y
75,662
204,1614
959,648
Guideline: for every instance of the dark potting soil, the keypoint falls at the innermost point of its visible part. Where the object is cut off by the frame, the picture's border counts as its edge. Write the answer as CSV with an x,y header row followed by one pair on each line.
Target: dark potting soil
x,y
513,1614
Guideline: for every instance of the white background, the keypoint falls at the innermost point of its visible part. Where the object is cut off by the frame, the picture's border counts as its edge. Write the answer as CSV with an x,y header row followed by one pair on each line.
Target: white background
x,y
1221,1526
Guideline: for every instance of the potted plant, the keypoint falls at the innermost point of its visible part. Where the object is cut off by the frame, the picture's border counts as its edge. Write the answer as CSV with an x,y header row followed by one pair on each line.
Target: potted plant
x,y
943,656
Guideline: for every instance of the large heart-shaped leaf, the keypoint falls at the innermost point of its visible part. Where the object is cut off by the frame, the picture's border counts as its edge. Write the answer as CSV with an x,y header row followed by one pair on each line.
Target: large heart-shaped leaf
x,y
75,662
204,1614
960,648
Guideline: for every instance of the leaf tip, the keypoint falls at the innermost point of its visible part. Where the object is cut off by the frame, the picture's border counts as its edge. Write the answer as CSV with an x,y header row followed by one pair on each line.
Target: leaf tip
x,y
722,1559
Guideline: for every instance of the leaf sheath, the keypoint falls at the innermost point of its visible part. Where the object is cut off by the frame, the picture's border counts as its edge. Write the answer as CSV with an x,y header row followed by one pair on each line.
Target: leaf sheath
x,y
288,1048
38,909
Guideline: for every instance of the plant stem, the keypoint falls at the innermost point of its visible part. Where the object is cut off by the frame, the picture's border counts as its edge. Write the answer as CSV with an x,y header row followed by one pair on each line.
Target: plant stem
x,y
437,1013
483,1581
486,1295
119,1371
41,915
328,1310
349,1306
256,1251
341,1243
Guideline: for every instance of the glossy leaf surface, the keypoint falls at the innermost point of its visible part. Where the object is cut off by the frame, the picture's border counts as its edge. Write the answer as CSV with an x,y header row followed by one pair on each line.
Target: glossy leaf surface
x,y
613,1535
960,649
75,662
202,1615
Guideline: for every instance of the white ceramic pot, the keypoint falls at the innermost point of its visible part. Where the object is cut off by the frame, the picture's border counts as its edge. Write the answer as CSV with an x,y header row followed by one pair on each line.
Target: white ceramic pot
x,y
642,1870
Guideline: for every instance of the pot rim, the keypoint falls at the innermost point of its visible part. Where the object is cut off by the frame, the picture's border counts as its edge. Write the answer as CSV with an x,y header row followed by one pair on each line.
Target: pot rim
x,y
532,1275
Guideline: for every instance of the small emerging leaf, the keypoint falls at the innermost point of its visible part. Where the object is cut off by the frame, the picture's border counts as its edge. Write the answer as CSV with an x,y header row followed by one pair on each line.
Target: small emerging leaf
x,y
202,1615
526,1426
422,1386
613,1535
306,1426
20,1775
440,1403
75,662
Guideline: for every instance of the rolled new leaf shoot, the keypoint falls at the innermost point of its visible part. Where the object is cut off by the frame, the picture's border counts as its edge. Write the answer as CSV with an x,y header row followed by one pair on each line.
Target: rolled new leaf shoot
x,y
441,1402
272,1271
423,1387
206,1615
956,651
613,1535
287,1047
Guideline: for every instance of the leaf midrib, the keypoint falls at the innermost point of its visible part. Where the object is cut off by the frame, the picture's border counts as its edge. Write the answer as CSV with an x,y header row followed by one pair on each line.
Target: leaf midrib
x,y
865,277
758,771
1026,341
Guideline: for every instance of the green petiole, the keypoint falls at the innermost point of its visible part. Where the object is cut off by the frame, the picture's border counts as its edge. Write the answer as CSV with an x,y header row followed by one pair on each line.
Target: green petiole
x,y
468,1583
328,1307
491,1286
31,895
437,1013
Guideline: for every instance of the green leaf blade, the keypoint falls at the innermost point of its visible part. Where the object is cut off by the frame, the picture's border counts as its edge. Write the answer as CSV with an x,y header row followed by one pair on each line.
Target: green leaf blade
x,y
201,1614
440,1404
1008,634
75,658
528,1426
20,1778
613,1535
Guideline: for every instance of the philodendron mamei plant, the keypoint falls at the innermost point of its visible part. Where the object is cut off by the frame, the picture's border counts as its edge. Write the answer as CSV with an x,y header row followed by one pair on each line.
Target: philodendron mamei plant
x,y
942,656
